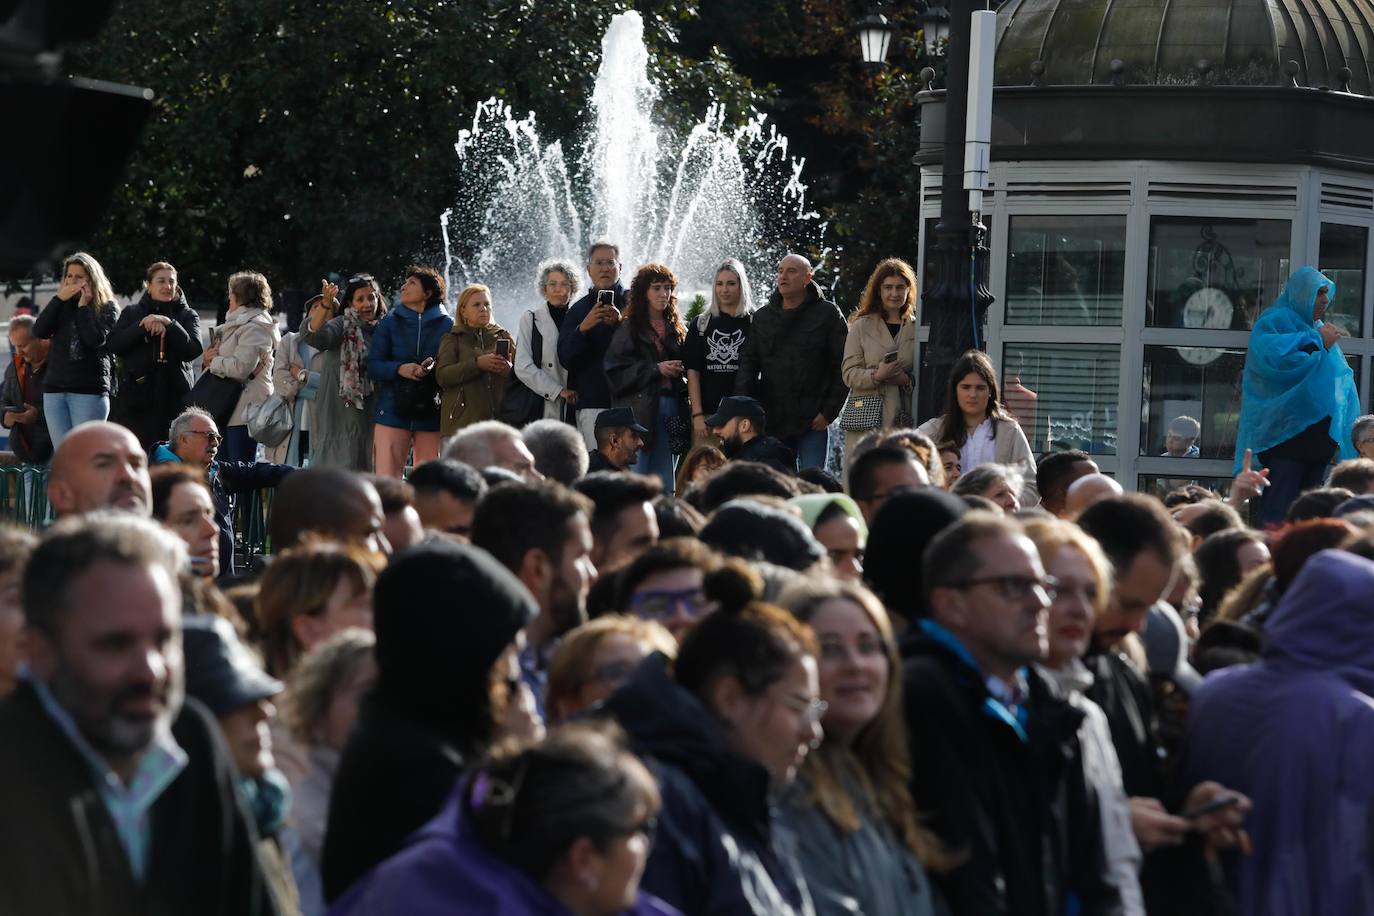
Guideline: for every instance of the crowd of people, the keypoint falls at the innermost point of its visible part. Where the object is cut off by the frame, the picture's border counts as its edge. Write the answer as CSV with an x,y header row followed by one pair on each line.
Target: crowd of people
x,y
556,670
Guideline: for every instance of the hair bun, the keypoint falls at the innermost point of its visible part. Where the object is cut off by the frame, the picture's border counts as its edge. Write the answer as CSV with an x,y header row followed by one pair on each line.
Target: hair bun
x,y
732,587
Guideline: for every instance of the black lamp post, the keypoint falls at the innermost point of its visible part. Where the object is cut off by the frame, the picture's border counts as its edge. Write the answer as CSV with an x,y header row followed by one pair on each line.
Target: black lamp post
x,y
875,35
956,295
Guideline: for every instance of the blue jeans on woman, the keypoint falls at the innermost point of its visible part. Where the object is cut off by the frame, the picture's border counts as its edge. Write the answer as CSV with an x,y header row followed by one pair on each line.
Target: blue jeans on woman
x,y
812,447
238,445
659,458
64,411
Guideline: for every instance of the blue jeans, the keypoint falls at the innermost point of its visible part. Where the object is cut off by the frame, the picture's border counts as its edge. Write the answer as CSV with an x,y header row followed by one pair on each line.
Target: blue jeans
x,y
659,459
1288,478
64,411
811,447
237,445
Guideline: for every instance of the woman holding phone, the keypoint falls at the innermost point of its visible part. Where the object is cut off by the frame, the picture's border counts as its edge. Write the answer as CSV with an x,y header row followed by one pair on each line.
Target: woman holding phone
x,y
475,359
879,352
78,321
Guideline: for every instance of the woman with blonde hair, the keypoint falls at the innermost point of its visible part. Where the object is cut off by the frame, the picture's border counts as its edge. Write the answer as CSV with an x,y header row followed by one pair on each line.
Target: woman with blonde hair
x,y
78,320
1084,581
714,341
879,354
594,659
242,348
475,359
861,845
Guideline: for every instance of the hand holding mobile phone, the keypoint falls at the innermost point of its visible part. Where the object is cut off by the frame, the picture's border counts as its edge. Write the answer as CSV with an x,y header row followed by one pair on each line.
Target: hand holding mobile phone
x,y
890,356
503,348
427,363
1220,803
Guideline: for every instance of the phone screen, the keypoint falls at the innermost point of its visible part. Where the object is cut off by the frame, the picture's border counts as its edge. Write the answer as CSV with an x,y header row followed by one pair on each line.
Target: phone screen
x,y
503,348
605,297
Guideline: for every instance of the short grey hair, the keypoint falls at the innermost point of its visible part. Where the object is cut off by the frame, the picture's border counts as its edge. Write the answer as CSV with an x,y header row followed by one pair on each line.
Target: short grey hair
x,y
73,545
475,445
182,424
564,267
1362,425
602,243
560,452
24,322
979,480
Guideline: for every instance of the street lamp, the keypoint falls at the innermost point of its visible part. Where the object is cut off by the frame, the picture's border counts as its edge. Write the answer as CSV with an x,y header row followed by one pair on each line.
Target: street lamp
x,y
935,27
875,34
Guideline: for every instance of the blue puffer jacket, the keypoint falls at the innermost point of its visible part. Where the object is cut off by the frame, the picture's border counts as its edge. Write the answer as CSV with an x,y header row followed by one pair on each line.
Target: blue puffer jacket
x,y
403,336
718,849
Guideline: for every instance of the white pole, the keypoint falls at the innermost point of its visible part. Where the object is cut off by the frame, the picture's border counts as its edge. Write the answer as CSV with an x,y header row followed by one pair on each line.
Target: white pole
x,y
978,137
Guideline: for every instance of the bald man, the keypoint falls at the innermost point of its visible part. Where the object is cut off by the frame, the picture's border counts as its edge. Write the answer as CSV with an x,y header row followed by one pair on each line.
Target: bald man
x,y
791,362
1088,489
99,465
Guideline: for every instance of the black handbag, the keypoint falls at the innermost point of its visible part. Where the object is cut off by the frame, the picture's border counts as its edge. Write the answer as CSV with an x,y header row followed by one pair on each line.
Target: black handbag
x,y
679,434
216,395
521,405
417,399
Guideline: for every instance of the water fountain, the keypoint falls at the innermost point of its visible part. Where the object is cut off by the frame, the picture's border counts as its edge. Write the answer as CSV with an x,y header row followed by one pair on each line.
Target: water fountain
x,y
690,202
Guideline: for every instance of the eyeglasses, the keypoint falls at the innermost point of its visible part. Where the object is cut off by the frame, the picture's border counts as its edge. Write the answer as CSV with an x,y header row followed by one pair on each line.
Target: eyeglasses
x,y
1016,588
361,278
211,437
813,711
661,604
605,262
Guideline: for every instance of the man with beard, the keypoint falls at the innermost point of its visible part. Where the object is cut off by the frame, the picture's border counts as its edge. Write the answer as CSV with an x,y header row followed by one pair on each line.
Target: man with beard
x,y
118,795
542,533
619,440
99,465
740,425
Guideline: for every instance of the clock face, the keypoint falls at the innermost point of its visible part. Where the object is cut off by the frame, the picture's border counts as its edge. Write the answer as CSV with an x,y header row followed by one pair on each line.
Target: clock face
x,y
1208,308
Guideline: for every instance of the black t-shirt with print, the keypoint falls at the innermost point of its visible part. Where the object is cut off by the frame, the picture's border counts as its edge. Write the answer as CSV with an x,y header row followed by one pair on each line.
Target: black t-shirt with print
x,y
715,355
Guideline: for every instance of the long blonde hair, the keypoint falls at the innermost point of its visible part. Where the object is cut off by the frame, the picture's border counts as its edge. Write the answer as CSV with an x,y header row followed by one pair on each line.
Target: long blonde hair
x,y
879,763
101,291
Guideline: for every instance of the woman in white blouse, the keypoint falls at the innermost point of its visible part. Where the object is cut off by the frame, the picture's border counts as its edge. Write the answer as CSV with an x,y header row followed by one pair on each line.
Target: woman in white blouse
x,y
978,426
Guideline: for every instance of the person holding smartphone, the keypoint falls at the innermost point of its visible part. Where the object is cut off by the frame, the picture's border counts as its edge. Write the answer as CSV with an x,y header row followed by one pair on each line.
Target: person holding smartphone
x,y
474,362
880,351
586,334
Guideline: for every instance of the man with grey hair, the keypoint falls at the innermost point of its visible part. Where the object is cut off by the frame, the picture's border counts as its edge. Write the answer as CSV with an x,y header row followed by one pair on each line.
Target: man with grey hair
x,y
99,465
493,444
558,450
791,362
536,342
1362,435
586,335
194,439
118,795
21,395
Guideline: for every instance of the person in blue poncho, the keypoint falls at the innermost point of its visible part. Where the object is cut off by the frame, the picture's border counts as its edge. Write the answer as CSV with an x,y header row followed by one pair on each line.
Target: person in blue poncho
x,y
1298,397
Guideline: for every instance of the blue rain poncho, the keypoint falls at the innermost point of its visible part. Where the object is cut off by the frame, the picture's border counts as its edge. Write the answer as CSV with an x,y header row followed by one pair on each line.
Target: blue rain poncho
x,y
1286,389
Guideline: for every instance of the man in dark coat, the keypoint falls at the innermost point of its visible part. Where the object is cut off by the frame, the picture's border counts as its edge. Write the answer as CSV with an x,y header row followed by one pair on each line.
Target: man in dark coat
x,y
741,425
118,797
445,613
195,439
586,335
791,362
619,440
21,396
995,753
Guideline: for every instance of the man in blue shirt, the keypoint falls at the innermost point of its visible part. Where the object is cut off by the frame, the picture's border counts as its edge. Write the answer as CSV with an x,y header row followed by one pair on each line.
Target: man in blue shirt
x,y
118,795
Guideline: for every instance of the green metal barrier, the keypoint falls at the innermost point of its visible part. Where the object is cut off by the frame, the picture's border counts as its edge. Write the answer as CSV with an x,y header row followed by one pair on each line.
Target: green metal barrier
x,y
24,495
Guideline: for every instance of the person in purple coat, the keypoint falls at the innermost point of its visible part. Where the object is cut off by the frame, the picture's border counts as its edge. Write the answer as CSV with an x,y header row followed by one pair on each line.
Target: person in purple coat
x,y
557,828
1295,733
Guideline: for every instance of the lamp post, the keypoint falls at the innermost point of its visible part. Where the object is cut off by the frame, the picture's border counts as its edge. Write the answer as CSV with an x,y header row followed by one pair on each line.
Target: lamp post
x,y
875,35
956,295
935,27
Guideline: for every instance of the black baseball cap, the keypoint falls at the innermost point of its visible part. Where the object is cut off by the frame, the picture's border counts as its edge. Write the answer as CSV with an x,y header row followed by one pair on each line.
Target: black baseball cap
x,y
737,406
619,416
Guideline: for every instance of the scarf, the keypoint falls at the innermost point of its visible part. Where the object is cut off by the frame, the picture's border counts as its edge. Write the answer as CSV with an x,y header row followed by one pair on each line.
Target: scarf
x,y
268,798
354,383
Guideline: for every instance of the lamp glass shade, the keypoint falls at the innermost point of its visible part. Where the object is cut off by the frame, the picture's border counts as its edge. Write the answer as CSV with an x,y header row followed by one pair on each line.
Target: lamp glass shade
x,y
875,34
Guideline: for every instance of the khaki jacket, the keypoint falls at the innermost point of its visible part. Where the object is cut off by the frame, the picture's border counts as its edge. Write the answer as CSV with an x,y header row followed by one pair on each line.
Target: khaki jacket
x,y
467,395
864,348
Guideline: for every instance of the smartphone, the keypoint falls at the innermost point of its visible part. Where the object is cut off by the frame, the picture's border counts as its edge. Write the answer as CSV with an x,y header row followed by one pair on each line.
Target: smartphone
x,y
427,363
15,409
216,335
605,297
1220,803
503,348
890,356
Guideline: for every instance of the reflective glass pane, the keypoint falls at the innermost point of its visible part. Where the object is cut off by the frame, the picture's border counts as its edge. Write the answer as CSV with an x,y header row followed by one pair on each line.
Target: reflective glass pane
x,y
1214,273
1342,259
1064,395
1192,401
1065,270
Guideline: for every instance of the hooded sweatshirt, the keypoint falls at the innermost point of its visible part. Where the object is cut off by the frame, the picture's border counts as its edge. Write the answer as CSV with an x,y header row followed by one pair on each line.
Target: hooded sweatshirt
x,y
1295,733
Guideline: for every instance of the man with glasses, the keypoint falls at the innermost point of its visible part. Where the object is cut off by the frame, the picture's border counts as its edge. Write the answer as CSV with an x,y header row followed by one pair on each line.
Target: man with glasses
x,y
195,440
586,335
1362,435
994,746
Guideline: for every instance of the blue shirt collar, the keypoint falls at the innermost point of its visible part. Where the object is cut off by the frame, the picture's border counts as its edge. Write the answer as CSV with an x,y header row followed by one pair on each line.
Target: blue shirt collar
x,y
1005,700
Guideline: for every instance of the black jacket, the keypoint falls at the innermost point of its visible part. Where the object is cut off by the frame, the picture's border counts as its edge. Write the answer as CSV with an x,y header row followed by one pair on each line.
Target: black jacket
x,y
584,355
632,369
151,391
791,362
599,462
1018,806
718,848
30,442
79,361
770,451
60,855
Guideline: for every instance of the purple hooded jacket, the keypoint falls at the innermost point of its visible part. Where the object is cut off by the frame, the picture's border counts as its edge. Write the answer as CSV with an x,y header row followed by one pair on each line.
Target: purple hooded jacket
x,y
1295,732
444,871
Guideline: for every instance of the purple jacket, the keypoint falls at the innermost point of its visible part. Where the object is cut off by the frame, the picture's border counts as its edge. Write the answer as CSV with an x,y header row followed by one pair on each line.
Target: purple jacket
x,y
1295,732
444,871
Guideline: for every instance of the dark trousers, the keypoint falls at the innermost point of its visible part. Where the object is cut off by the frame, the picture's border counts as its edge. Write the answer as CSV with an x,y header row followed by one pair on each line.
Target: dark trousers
x,y
237,445
1288,477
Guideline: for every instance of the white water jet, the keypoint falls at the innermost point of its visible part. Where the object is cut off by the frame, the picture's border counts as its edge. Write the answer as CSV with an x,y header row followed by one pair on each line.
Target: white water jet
x,y
688,202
